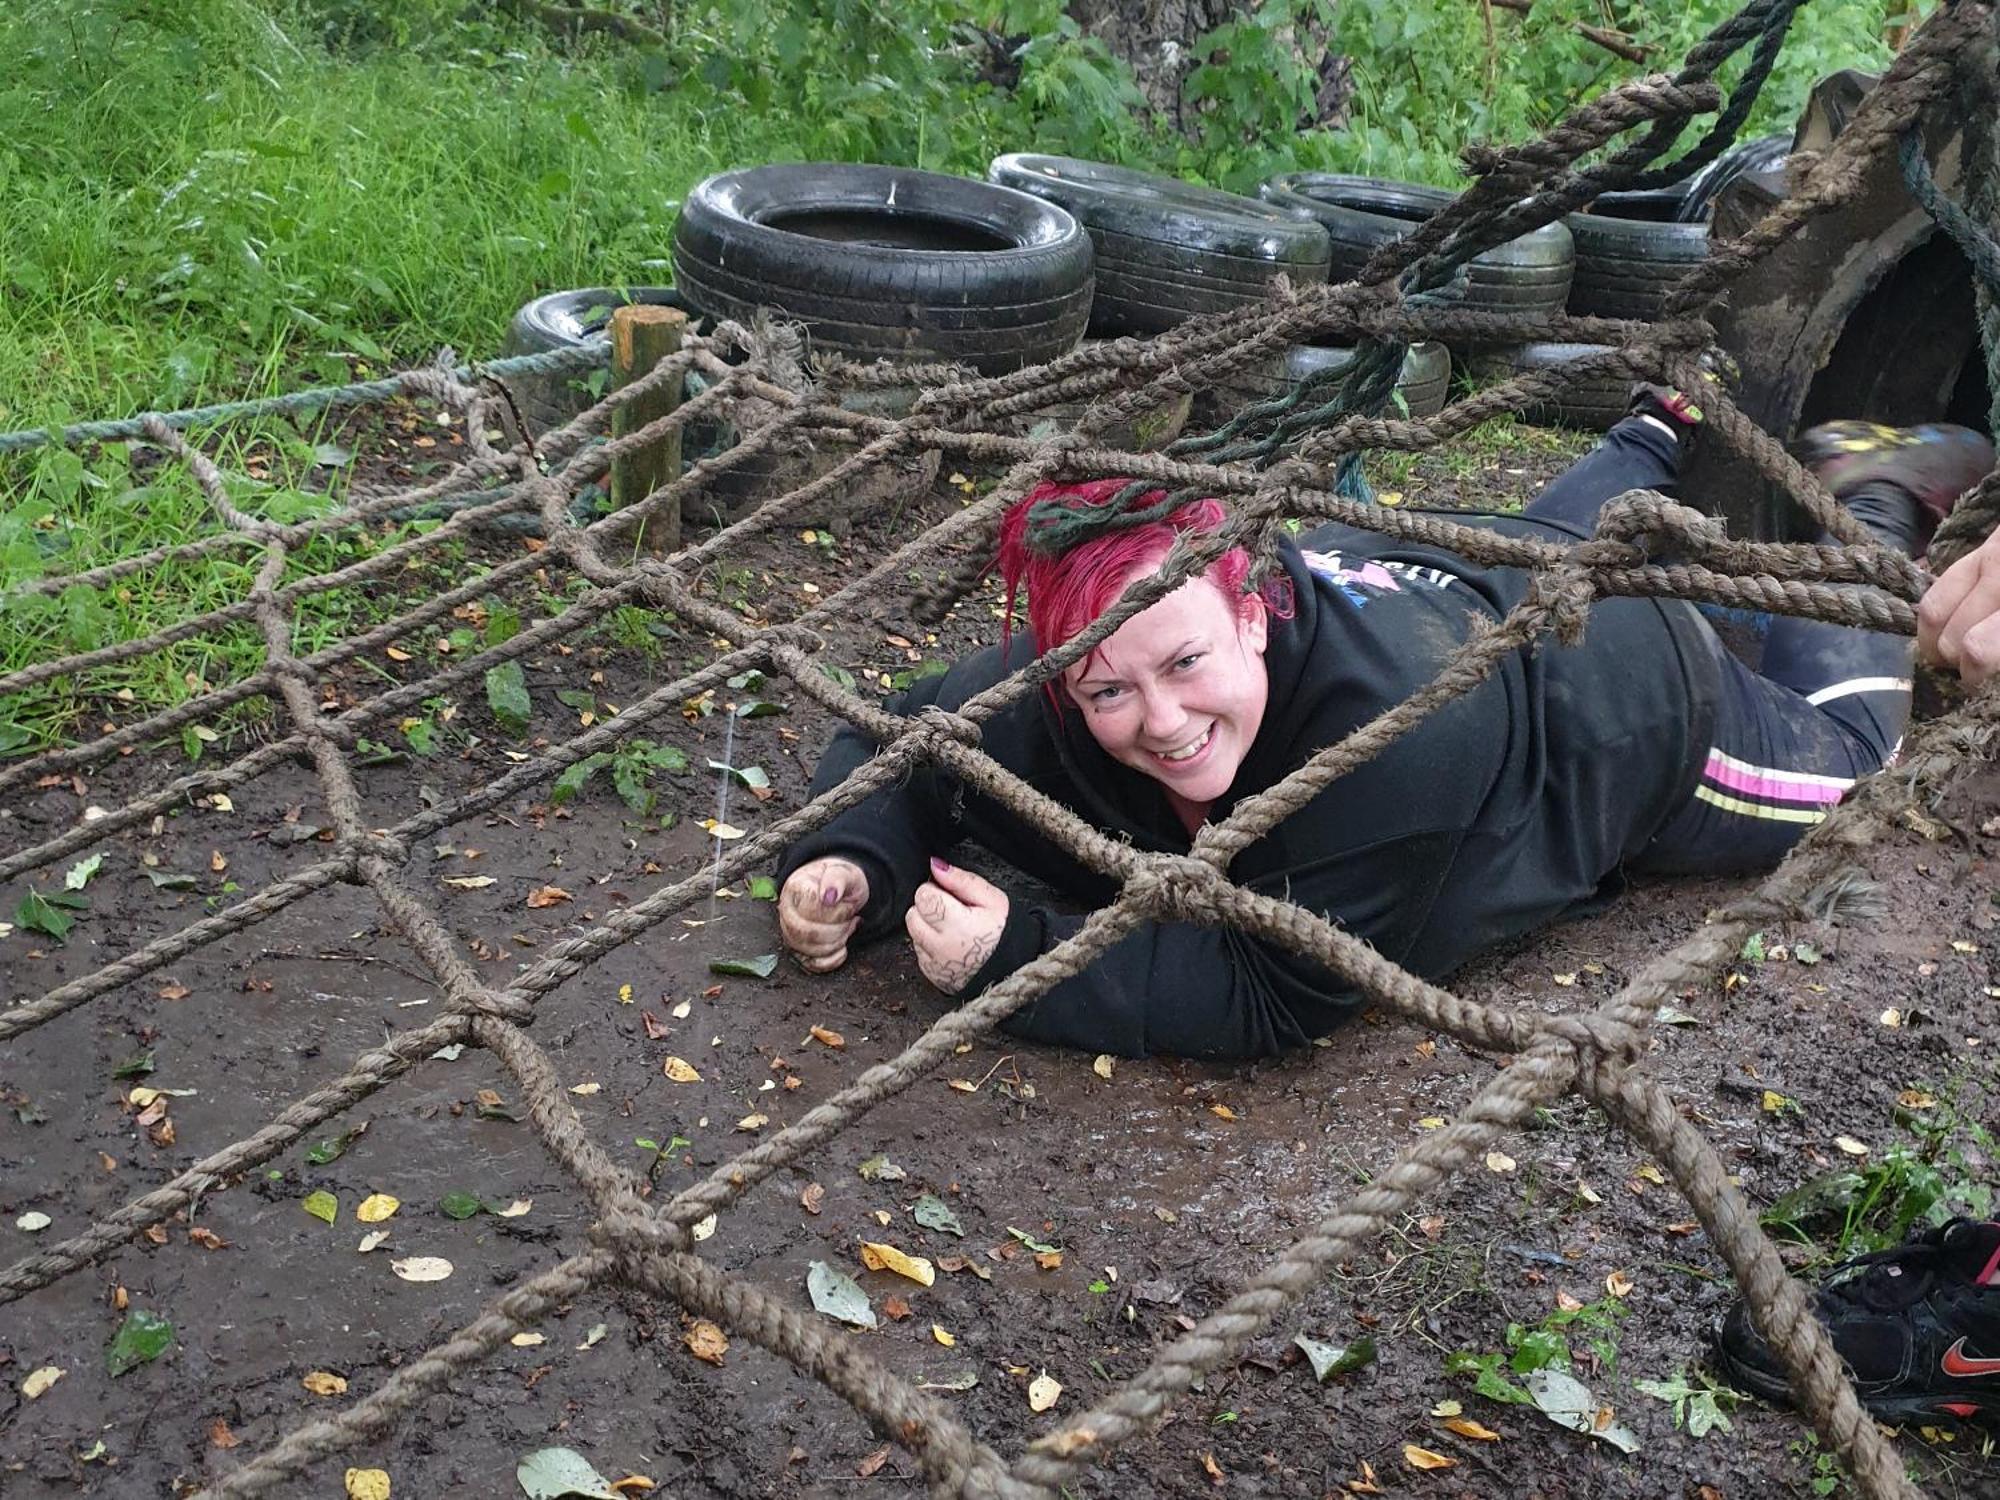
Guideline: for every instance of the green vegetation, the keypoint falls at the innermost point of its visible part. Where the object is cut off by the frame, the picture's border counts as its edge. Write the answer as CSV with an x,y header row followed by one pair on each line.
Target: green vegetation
x,y
212,199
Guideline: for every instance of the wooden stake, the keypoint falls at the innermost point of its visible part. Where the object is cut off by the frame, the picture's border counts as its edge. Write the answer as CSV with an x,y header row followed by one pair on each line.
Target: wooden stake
x,y
642,336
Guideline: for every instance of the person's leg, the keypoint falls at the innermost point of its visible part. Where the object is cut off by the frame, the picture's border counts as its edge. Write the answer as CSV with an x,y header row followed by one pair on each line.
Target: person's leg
x,y
1829,702
1643,452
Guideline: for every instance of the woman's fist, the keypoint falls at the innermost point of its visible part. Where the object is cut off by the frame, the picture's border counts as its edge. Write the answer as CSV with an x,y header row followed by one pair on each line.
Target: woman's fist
x,y
818,910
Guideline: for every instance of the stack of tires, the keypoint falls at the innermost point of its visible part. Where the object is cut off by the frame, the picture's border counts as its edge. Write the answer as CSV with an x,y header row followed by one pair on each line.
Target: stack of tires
x,y
1631,250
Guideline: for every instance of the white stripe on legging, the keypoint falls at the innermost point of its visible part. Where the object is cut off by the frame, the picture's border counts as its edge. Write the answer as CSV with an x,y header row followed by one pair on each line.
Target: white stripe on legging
x,y
1859,685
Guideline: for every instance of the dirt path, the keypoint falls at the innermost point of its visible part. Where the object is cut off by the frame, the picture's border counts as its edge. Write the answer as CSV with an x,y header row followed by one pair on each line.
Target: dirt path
x,y
1158,1202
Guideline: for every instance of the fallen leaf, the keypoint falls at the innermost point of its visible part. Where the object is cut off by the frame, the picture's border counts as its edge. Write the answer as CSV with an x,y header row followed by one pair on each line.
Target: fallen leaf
x,y
528,1340
1431,1122
470,882
371,1239
1049,1260
880,1257
324,1383
963,1085
593,1338
208,1239
585,1089
367,1484
1336,1359
1043,1392
1499,1161
173,990
548,895
828,1038
1366,1484
753,1122
706,1341
220,1435
880,1169
938,1332
702,1228
1102,1067
142,1337
422,1268
376,1207
33,1222
1916,1099
321,1205
1618,1284
872,1463
1224,1112
680,1071
1850,1145
39,1381
1423,1458
812,1197
895,1308
721,830
933,1212
1652,1174
218,861
656,1029
680,1012
836,1294
561,1474
1567,1402
1214,1470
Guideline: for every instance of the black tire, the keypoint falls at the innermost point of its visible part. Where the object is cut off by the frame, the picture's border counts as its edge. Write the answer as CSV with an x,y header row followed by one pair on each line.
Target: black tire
x,y
1530,274
1594,405
1424,382
889,263
1625,268
1168,250
1763,154
568,320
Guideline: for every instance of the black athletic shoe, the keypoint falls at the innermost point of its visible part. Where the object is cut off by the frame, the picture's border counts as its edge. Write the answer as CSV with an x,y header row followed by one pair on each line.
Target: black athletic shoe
x,y
1679,410
1918,1324
1936,463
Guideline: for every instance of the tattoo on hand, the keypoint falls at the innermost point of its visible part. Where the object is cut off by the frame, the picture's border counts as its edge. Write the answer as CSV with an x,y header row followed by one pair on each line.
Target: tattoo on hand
x,y
930,906
953,974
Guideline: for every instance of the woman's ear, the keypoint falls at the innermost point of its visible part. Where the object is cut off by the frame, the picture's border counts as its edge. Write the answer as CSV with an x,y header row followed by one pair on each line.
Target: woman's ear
x,y
1253,623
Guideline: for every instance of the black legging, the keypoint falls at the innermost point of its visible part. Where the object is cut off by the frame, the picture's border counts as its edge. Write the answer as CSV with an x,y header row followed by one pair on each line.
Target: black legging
x,y
1827,706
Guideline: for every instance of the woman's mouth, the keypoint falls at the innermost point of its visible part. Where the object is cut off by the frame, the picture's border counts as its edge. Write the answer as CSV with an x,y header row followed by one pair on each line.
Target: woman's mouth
x,y
1189,753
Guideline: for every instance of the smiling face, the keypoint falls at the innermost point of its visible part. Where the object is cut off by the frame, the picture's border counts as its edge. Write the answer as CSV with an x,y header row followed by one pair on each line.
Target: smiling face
x,y
1178,691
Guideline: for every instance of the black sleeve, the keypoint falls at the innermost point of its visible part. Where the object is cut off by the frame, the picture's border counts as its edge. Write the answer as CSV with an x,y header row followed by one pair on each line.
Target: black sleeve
x,y
1196,991
893,834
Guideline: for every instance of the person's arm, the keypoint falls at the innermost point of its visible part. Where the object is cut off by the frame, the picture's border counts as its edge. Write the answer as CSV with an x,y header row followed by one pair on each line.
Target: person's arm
x,y
1958,621
1198,991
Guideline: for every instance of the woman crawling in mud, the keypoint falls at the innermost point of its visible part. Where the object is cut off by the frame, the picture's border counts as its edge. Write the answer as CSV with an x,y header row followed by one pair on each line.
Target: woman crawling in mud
x,y
1647,748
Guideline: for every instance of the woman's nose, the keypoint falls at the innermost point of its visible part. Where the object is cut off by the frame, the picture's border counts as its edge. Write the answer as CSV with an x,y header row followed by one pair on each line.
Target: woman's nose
x,y
1164,718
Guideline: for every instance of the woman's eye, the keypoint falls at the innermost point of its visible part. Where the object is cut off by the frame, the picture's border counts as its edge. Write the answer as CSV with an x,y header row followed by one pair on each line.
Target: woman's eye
x,y
1104,695
1187,661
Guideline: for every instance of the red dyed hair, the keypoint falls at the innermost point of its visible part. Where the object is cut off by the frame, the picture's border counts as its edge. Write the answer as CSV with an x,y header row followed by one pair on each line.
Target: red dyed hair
x,y
1066,593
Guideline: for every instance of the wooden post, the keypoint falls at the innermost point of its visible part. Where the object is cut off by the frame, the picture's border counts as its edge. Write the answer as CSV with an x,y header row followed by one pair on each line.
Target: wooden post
x,y
642,336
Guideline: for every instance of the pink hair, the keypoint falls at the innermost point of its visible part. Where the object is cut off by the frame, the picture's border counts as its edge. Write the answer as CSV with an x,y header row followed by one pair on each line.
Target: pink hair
x,y
1067,592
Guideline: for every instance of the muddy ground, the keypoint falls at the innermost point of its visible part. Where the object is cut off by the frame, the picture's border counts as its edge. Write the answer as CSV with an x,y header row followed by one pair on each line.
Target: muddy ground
x,y
1160,1205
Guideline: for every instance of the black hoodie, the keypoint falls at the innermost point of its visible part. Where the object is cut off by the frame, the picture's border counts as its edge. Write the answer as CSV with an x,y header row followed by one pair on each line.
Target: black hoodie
x,y
1494,815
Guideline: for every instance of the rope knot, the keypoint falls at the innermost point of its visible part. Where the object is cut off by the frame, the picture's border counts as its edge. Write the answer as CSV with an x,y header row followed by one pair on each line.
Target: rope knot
x,y
1597,1039
502,1005
1654,523
1567,595
1175,887
632,1230
937,725
377,843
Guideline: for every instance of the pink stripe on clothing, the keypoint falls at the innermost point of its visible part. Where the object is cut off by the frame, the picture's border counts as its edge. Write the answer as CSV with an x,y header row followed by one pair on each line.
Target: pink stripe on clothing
x,y
1778,785
1986,1276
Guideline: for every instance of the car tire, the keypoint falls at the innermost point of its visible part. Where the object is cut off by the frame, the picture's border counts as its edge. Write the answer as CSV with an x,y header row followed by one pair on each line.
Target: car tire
x,y
888,263
1593,405
1424,382
1627,267
1530,274
568,320
1168,250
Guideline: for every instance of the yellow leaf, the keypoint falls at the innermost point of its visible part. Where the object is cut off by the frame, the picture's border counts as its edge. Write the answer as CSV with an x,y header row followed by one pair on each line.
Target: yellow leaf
x,y
1043,1392
377,1207
721,830
515,1209
706,1341
1431,1122
371,1239
1224,1112
633,1484
585,1089
944,1338
1499,1161
753,1122
422,1268
39,1381
624,994
1774,1101
221,803
680,1071
880,1257
1588,1193
1564,979
1958,945
1652,1174
1892,1017
1423,1458
1850,1145
1618,1284
963,1085
367,1484
1916,1099
528,1340
324,1383
701,1229
396,653
1466,1427
469,882
1446,1409
1049,1260
827,1038
548,895
1102,1067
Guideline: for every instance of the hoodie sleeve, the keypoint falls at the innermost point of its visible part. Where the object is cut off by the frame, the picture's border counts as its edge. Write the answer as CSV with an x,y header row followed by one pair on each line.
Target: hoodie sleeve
x,y
893,834
1195,991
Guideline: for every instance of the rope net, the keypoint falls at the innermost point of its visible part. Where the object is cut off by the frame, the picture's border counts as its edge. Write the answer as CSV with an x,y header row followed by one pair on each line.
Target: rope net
x,y
1280,461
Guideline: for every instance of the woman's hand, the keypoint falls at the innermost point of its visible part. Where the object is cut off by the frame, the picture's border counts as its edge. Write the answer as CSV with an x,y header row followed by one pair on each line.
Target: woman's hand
x,y
818,910
955,925
1958,622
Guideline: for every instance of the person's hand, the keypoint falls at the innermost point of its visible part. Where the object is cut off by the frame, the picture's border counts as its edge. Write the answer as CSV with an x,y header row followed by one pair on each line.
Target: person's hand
x,y
1958,622
818,910
955,925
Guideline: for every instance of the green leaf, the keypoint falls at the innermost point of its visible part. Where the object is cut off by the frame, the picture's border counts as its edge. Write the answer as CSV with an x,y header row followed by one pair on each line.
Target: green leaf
x,y
142,1337
840,675
37,913
572,781
836,1294
138,1065
933,1212
763,966
78,875
669,758
503,623
561,1474
331,1149
576,698
880,1169
1805,953
171,880
1032,1243
758,708
1753,948
507,696
321,1205
763,888
459,1204
753,777
1336,1359
747,682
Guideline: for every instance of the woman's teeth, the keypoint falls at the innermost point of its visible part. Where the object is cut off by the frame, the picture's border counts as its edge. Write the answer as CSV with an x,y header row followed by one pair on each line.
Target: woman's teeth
x,y
1188,750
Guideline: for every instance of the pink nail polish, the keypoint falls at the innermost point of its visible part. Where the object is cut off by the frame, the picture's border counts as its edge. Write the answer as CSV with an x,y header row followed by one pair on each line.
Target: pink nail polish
x,y
829,896
939,867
